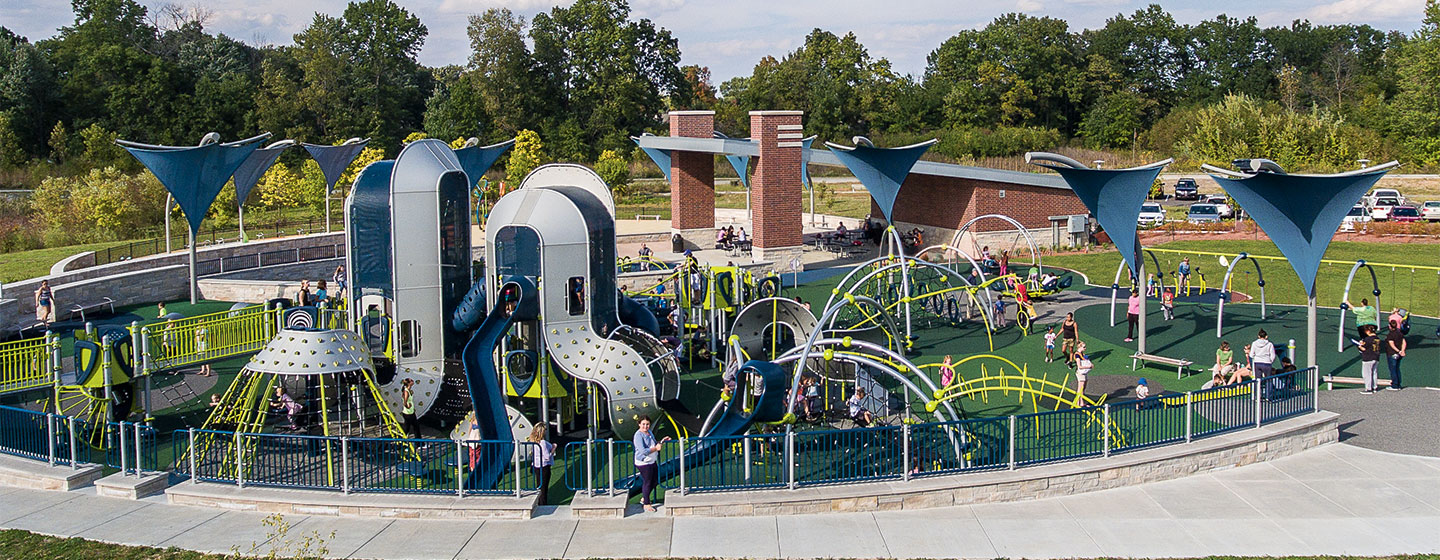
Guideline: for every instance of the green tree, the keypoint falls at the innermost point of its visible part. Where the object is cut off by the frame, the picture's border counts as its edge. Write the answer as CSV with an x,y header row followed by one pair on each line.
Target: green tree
x,y
101,205
12,153
60,148
1417,106
1018,70
1148,52
527,154
607,73
26,91
100,147
615,170
457,107
279,188
1114,121
501,82
1232,57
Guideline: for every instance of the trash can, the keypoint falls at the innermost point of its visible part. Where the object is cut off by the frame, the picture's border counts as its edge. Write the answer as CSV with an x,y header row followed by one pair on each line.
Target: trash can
x,y
677,243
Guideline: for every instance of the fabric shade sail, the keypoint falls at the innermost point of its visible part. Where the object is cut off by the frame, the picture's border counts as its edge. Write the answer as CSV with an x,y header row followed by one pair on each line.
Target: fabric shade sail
x,y
253,168
476,160
660,157
194,175
881,170
334,159
1300,213
1113,196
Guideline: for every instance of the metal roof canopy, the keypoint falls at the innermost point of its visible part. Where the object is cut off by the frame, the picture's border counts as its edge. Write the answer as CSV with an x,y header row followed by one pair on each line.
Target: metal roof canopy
x,y
739,147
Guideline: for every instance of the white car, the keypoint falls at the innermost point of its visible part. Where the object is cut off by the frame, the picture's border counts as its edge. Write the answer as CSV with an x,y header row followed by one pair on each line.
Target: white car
x,y
1378,194
1430,211
1151,215
1358,215
1380,208
1226,212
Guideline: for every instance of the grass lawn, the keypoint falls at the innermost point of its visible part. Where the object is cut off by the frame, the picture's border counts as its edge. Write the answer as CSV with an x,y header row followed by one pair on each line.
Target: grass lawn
x,y
1418,291
23,265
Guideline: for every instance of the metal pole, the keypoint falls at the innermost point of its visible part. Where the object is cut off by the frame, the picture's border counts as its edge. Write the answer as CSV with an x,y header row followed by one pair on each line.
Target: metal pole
x,y
610,462
139,451
50,436
745,444
459,469
327,208
1312,331
194,277
1256,390
169,201
790,455
589,468
1107,427
682,465
1012,442
905,453
194,477
74,461
344,464
518,447
239,460
1189,416
1144,305
1314,376
124,465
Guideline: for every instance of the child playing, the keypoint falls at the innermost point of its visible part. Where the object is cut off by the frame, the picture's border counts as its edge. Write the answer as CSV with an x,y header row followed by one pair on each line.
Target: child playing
x,y
999,312
1142,389
947,372
1082,370
1167,303
1050,343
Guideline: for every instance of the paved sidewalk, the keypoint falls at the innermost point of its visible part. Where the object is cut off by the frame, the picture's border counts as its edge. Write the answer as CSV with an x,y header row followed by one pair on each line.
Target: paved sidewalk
x,y
1337,499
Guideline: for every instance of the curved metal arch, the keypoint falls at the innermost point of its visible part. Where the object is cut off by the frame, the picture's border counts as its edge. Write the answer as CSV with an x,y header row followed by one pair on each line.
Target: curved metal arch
x,y
1034,249
1225,290
1115,286
946,247
890,355
836,292
1375,290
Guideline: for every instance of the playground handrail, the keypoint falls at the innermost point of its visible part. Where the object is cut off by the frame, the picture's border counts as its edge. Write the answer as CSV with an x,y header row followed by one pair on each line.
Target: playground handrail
x,y
26,364
203,338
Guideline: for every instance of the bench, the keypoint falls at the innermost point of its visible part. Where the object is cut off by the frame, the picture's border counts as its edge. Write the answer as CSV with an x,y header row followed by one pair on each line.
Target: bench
x,y
1182,367
82,307
1332,379
647,217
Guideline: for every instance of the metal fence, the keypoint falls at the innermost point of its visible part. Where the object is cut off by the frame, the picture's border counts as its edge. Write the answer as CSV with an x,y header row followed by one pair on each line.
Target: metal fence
x,y
27,364
178,241
235,263
203,338
346,464
774,460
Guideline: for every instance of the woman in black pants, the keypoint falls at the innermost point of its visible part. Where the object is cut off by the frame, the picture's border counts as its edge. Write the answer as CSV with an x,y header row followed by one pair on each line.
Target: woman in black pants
x,y
541,461
647,450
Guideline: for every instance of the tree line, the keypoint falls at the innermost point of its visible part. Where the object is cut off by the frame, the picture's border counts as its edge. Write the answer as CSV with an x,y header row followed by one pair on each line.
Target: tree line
x,y
588,76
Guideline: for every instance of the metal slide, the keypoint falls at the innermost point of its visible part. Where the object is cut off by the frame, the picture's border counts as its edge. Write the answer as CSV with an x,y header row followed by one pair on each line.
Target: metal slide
x,y
517,301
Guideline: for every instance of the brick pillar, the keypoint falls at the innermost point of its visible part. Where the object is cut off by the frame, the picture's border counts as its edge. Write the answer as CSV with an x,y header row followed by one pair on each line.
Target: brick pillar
x,y
775,188
692,181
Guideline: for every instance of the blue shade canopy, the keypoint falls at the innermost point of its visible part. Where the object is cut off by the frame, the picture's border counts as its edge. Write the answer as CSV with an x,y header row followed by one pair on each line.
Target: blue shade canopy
x,y
334,159
194,175
254,167
805,161
1114,196
1300,213
660,157
369,230
476,160
881,170
741,164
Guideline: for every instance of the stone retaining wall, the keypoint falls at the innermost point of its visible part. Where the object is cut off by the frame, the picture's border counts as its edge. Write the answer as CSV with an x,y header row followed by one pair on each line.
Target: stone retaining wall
x,y
1233,449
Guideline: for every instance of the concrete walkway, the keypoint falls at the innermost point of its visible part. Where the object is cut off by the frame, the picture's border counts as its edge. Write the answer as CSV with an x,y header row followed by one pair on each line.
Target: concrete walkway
x,y
1337,499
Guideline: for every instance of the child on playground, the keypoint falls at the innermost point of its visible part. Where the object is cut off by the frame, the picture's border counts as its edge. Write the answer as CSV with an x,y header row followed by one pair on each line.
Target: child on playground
x,y
200,348
1050,343
1369,358
858,413
1142,389
1152,286
1167,303
947,372
999,312
1082,371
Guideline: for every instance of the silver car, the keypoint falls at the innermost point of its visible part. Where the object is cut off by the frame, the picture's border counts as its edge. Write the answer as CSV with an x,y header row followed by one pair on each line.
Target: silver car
x,y
1202,213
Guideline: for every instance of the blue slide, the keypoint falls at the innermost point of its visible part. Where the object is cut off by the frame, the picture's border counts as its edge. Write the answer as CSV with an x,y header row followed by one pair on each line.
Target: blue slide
x,y
770,407
518,301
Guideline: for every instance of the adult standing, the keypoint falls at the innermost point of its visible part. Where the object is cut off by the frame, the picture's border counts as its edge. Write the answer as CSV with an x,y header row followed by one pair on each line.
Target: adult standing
x,y
647,451
1369,358
407,408
339,280
542,460
1132,315
1069,337
45,303
1365,315
1182,275
1394,352
302,298
1262,355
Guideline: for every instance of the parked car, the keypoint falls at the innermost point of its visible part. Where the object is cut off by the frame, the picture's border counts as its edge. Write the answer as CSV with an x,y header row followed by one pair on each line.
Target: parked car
x,y
1202,213
1226,211
1187,189
1378,194
1358,215
1404,214
1380,208
1151,215
1431,210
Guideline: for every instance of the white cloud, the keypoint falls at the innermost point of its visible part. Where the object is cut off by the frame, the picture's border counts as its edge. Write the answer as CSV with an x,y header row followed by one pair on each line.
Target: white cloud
x,y
1348,11
1029,5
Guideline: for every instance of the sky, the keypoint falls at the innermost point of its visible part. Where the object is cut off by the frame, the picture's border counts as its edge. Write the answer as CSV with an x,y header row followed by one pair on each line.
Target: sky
x,y
729,36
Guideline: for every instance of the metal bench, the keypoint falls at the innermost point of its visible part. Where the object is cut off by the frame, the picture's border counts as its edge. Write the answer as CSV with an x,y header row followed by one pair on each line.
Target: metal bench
x,y
647,217
81,307
1182,367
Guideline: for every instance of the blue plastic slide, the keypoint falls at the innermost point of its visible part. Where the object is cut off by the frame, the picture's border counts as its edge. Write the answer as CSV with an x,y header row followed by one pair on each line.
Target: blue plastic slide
x,y
518,301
